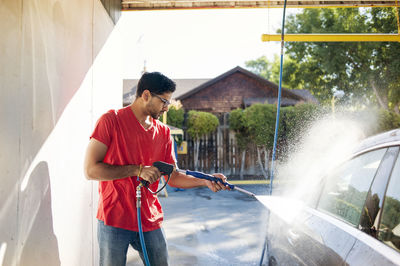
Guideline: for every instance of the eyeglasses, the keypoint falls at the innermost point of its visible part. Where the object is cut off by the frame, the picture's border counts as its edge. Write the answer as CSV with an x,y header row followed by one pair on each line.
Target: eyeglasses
x,y
165,101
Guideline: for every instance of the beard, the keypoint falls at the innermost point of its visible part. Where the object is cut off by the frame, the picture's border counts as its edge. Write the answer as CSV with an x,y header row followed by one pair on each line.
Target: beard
x,y
156,115
153,111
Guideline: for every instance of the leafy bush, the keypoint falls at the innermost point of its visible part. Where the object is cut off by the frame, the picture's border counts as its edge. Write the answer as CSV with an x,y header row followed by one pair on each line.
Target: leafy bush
x,y
201,123
175,117
237,123
388,120
260,121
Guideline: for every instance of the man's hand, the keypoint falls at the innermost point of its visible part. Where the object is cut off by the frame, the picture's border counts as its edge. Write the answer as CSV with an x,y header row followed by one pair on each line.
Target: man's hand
x,y
150,174
217,186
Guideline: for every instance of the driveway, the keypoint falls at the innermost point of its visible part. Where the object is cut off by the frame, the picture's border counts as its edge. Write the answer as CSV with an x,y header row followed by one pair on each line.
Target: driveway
x,y
206,228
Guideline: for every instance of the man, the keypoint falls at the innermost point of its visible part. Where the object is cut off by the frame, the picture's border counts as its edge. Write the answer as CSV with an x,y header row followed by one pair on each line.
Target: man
x,y
123,146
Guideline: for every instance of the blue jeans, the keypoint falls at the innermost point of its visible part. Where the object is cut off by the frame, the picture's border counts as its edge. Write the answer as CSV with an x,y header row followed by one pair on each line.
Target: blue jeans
x,y
114,243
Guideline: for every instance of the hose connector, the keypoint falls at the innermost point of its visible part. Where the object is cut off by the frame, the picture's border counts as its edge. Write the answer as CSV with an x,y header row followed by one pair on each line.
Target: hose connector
x,y
139,195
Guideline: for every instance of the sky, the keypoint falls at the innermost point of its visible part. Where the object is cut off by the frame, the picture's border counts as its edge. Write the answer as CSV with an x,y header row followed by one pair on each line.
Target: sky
x,y
197,43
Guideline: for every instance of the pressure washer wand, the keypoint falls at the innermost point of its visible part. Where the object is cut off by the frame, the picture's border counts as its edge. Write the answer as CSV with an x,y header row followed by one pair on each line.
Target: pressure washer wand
x,y
167,169
215,179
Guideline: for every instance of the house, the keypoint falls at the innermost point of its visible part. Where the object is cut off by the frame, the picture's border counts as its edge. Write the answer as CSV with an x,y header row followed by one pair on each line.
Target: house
x,y
238,88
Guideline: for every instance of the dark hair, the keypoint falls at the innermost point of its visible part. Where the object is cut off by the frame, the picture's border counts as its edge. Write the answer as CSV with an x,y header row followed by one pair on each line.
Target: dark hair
x,y
156,83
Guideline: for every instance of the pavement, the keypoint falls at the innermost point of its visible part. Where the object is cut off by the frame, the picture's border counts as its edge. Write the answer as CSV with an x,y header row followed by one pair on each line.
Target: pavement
x,y
207,228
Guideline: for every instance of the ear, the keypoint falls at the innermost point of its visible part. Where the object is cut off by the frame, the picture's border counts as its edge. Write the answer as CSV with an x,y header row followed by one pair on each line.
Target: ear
x,y
146,95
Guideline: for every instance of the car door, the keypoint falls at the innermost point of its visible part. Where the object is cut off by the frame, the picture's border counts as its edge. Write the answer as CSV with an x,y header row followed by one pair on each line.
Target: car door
x,y
334,222
378,242
325,236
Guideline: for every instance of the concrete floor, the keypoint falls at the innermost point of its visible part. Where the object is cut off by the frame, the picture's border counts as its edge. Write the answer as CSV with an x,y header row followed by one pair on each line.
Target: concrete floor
x,y
206,228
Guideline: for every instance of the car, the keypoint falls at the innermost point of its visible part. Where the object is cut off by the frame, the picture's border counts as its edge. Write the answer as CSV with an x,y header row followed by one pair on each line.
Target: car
x,y
354,218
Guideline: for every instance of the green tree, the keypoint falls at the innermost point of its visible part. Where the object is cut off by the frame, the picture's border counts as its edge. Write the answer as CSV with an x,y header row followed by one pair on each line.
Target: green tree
x,y
200,124
271,70
288,77
385,77
366,72
261,66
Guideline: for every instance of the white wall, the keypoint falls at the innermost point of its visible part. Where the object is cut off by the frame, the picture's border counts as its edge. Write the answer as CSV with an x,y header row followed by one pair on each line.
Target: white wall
x,y
59,70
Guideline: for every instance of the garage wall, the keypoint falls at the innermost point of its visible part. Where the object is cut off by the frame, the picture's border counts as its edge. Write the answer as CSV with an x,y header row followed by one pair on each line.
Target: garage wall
x,y
59,71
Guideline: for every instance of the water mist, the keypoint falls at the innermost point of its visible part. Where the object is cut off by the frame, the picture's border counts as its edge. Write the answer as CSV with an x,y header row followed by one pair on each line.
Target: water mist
x,y
319,149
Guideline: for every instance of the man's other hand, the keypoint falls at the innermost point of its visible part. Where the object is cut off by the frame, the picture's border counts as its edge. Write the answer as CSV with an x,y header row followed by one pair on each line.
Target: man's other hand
x,y
217,186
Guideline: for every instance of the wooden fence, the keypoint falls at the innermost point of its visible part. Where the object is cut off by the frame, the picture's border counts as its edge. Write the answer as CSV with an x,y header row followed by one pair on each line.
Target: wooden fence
x,y
219,153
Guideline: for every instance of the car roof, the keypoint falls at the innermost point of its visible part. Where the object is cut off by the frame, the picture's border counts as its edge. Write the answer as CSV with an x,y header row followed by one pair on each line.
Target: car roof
x,y
388,138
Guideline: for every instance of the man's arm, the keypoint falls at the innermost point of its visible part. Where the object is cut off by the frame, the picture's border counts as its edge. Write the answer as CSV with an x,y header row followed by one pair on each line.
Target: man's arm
x,y
96,169
187,181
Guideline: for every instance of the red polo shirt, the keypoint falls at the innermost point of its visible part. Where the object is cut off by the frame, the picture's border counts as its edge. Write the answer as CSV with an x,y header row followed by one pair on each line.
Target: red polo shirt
x,y
129,143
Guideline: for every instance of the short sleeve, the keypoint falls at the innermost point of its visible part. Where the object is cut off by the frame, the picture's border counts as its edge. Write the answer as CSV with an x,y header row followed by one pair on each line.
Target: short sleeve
x,y
104,128
170,151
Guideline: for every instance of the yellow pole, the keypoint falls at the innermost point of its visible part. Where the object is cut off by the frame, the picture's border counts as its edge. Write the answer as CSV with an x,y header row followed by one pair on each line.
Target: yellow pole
x,y
333,37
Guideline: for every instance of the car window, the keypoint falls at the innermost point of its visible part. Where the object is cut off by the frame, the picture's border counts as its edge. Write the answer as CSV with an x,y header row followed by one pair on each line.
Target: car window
x,y
370,214
345,191
389,228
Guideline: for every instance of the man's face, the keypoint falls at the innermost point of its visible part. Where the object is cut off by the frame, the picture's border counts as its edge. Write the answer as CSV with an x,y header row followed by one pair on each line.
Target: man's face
x,y
158,104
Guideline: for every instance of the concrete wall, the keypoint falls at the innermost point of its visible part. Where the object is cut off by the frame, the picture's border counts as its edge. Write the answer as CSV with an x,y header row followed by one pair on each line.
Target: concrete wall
x,y
59,70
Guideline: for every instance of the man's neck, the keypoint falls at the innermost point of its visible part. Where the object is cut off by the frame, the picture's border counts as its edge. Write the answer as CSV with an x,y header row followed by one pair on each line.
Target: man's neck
x,y
144,119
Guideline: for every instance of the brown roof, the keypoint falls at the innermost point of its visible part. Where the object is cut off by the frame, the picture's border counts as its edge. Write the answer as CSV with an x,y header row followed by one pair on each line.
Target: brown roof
x,y
271,100
187,87
306,94
246,72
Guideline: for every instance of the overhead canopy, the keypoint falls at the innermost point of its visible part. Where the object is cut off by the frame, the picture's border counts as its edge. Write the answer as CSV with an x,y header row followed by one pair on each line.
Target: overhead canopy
x,y
187,4
203,4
